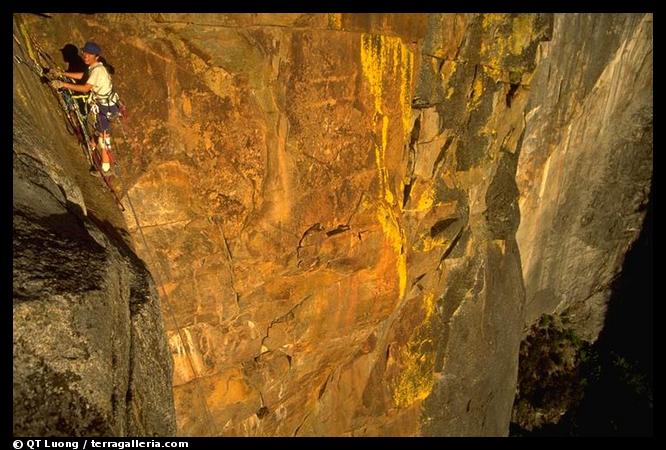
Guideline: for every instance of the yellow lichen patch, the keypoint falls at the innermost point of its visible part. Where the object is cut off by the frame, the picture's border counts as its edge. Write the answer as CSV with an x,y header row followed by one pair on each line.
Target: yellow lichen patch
x,y
415,382
381,164
500,41
335,21
446,74
199,66
382,173
429,304
493,20
526,78
494,73
367,203
491,134
416,378
373,65
406,68
427,242
386,215
521,33
385,58
447,70
396,238
426,200
494,43
477,89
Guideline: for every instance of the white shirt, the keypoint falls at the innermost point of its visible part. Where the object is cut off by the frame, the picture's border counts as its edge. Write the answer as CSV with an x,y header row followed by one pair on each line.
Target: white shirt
x,y
100,80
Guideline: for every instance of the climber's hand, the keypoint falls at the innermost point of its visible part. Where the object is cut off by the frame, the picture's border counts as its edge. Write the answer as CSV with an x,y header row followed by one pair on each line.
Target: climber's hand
x,y
57,72
56,84
53,72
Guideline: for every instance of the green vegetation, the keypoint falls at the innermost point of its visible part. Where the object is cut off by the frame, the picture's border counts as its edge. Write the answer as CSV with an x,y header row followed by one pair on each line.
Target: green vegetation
x,y
554,369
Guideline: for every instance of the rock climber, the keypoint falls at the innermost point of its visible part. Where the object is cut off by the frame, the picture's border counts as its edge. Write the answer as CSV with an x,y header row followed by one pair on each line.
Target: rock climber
x,y
105,100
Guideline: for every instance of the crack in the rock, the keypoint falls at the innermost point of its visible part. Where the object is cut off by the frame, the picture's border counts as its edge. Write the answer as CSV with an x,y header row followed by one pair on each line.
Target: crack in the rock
x,y
411,159
417,279
358,204
441,225
189,221
166,22
513,88
289,315
231,269
322,389
470,96
313,229
339,229
301,424
507,137
440,157
450,248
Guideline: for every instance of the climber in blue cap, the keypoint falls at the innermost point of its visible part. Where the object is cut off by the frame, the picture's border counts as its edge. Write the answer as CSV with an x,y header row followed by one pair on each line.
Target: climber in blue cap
x,y
104,98
92,48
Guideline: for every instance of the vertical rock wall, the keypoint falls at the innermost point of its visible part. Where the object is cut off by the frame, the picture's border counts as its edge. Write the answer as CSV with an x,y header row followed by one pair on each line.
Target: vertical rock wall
x,y
586,164
90,356
330,205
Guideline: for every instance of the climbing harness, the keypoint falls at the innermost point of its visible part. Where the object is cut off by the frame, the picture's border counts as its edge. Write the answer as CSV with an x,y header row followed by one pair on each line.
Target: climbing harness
x,y
77,124
82,100
109,99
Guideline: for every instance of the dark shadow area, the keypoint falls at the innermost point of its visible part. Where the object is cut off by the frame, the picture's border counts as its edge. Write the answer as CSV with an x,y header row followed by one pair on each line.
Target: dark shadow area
x,y
74,61
618,377
140,287
119,237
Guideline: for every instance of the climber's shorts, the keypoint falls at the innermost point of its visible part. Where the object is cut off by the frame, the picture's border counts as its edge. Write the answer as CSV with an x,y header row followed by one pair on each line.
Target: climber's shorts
x,y
103,115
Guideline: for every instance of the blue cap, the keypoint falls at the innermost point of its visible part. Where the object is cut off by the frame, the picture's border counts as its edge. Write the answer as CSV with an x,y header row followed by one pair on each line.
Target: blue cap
x,y
91,47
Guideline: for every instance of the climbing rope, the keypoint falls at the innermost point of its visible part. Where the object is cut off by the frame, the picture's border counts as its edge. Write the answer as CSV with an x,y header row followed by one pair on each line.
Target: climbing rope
x,y
75,123
197,377
30,53
30,57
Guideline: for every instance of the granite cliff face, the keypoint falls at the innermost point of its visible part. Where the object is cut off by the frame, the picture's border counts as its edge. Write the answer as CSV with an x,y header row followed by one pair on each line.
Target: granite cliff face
x,y
584,178
586,164
90,353
331,201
